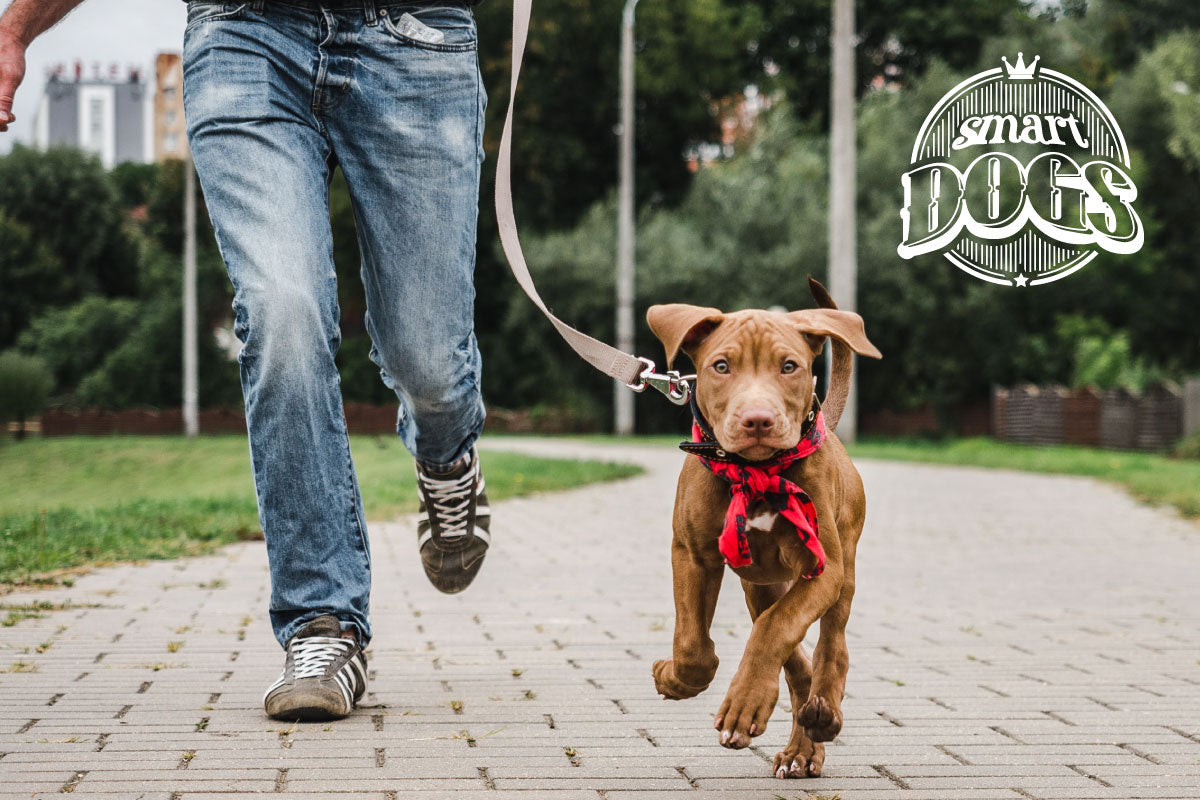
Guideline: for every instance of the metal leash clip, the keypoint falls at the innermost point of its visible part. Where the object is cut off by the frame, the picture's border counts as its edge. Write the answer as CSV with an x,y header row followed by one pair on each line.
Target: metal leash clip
x,y
675,387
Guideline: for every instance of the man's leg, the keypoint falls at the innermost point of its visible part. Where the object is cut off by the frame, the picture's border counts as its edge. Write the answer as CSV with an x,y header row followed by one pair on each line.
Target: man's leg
x,y
264,164
405,116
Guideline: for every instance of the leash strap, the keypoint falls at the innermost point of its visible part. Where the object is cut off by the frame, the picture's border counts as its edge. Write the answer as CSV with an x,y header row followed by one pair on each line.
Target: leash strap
x,y
628,369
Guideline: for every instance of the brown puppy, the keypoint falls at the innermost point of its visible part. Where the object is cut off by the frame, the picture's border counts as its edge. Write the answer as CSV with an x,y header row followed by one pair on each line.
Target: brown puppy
x,y
754,387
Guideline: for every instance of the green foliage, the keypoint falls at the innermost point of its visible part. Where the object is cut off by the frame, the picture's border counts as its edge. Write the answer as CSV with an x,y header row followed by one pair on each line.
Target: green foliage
x,y
25,383
73,340
1127,28
110,341
65,199
1189,447
1171,73
145,369
690,52
123,352
134,183
31,277
1105,358
897,40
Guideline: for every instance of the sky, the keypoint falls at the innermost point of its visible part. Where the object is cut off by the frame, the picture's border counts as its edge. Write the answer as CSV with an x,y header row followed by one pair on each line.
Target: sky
x,y
128,32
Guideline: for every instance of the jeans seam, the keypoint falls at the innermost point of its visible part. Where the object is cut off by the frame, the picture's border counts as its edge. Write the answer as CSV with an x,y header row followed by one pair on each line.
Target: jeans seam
x,y
318,96
354,506
227,14
479,154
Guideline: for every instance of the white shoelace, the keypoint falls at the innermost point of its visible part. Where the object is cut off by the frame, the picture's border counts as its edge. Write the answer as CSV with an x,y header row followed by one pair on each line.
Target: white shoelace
x,y
313,654
450,499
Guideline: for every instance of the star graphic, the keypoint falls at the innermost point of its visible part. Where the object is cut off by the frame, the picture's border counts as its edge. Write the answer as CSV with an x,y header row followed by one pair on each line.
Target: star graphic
x,y
1021,280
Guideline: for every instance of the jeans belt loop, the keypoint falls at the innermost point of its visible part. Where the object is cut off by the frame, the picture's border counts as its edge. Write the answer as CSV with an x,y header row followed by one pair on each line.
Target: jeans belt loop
x,y
370,11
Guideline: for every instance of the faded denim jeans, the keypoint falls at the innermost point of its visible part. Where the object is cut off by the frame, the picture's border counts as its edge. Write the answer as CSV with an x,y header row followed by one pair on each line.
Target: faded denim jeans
x,y
276,95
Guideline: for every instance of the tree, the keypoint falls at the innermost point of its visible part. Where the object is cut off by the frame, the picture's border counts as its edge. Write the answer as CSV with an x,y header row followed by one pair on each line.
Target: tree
x,y
897,41
25,383
145,369
72,341
691,52
64,198
31,277
134,182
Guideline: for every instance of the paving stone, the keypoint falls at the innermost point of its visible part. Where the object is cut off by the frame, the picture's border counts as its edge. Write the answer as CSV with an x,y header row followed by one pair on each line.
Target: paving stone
x,y
1005,644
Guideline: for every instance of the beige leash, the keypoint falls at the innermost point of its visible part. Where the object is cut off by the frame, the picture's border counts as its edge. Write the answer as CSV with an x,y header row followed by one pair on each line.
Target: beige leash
x,y
635,372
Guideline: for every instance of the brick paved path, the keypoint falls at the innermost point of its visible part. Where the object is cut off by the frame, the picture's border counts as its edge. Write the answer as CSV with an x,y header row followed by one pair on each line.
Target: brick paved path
x,y
1013,636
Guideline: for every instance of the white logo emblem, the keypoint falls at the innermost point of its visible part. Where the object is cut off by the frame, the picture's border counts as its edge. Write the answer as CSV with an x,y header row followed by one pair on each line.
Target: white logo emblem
x,y
1019,177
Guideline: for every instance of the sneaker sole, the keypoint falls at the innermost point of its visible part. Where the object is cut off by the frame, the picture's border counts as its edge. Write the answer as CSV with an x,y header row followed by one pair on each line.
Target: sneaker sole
x,y
308,714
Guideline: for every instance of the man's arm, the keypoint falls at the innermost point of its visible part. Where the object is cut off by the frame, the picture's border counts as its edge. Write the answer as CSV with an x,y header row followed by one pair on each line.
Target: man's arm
x,y
19,26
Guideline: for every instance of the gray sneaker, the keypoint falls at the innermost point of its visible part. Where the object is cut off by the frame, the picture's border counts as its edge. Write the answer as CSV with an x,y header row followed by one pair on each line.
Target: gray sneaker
x,y
453,530
324,676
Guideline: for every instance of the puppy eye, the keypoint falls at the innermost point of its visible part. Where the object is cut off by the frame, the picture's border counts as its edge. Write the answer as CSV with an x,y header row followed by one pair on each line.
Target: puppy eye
x,y
789,367
721,366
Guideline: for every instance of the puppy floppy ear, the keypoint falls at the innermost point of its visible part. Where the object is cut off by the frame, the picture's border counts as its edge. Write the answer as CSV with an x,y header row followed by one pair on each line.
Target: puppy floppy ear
x,y
848,334
682,327
843,325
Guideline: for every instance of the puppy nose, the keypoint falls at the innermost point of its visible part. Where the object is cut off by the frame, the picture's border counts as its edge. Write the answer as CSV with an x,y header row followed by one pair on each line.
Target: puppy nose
x,y
758,422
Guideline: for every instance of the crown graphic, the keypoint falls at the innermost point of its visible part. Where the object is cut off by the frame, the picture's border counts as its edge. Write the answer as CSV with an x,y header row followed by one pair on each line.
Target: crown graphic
x,y
1021,72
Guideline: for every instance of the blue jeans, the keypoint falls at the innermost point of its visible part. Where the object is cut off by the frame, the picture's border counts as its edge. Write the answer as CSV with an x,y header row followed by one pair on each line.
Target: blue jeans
x,y
276,95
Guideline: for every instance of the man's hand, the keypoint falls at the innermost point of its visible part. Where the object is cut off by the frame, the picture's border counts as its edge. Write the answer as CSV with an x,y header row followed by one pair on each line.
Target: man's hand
x,y
12,70
20,23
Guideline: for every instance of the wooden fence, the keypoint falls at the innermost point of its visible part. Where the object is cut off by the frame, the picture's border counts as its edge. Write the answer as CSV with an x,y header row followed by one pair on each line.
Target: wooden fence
x,y
1115,419
361,418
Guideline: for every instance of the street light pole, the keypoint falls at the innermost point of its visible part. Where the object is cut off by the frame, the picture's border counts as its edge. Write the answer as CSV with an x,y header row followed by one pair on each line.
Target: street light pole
x,y
191,421
623,422
842,223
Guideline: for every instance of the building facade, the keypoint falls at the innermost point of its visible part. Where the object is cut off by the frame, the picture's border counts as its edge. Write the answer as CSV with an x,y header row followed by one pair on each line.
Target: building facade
x,y
170,133
108,116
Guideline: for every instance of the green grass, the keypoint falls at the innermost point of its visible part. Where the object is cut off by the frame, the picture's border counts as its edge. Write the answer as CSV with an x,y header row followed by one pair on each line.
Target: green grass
x,y
76,501
1150,477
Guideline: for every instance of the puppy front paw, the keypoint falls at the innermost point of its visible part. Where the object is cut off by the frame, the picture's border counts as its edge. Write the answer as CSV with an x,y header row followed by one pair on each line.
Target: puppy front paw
x,y
745,711
669,685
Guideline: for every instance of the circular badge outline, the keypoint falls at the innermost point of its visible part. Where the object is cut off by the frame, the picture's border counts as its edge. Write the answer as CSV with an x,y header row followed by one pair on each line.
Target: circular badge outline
x,y
1085,255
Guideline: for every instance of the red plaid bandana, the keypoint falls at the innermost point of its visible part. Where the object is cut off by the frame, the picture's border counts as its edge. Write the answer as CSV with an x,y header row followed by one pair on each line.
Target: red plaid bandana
x,y
753,480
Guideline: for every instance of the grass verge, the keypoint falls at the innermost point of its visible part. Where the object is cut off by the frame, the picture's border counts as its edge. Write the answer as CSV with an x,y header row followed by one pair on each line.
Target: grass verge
x,y
1150,477
86,500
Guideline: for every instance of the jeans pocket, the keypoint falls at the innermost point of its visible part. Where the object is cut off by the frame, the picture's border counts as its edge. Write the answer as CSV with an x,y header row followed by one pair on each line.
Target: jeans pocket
x,y
199,11
441,28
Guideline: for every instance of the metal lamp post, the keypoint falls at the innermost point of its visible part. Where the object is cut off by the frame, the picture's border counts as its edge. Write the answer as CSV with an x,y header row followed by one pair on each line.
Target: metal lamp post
x,y
842,223
622,398
191,422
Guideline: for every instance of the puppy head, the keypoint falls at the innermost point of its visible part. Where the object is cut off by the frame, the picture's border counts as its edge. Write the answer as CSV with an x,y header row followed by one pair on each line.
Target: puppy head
x,y
754,380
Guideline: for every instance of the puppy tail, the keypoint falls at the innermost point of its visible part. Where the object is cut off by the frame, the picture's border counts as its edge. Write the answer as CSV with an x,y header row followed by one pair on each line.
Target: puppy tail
x,y
839,383
838,390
